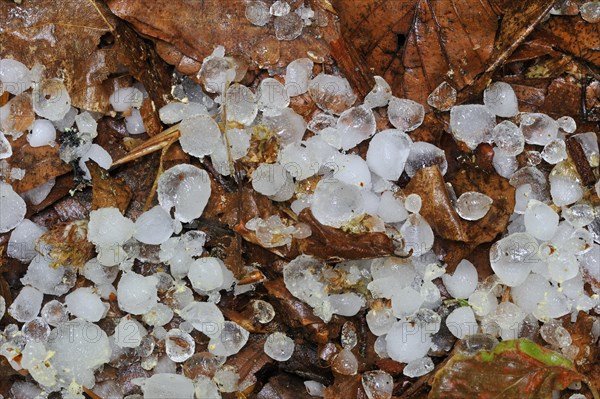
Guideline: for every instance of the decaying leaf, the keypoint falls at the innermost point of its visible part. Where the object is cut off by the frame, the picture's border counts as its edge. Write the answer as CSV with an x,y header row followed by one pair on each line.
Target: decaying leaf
x,y
108,191
513,369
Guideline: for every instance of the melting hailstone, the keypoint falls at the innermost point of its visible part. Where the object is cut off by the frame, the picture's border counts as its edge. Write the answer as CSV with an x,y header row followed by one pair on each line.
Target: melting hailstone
x,y
355,125
206,274
509,138
406,115
417,234
297,76
185,187
407,341
23,239
380,94
388,152
257,12
241,105
51,100
206,317
461,322
462,283
279,347
541,221
331,93
168,386
473,205
335,203
137,294
124,99
501,99
513,257
179,345
423,155
472,124
26,305
538,128
377,384
108,228
419,367
12,208
86,304
42,133
229,340
14,76
272,94
442,97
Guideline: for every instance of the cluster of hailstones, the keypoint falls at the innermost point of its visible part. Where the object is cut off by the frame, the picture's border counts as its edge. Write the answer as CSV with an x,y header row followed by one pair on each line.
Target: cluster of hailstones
x,y
544,258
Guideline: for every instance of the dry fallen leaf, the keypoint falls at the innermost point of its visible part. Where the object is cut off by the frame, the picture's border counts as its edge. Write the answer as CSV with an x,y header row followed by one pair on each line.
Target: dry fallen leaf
x,y
108,191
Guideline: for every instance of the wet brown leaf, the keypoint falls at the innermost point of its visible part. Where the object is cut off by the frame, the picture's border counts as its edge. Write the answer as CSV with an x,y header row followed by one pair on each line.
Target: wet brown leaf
x,y
575,36
514,369
284,386
108,191
190,30
81,41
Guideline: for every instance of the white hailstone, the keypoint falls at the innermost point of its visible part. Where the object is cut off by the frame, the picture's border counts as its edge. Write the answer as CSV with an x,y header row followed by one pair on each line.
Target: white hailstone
x,y
509,138
472,124
286,124
86,123
206,274
509,318
513,256
279,8
99,274
406,115
54,313
388,152
86,304
279,347
462,283
272,94
108,227
49,280
159,315
380,95
268,179
299,161
538,128
168,386
371,201
352,169
567,124
553,305
97,154
206,317
417,235
331,93
555,151
302,278
406,302
26,305
154,226
288,27
380,321
590,12
176,111
179,345
565,189
17,173
124,99
297,76
257,12
79,347
483,302
134,123
25,390
578,215
413,203
42,133
205,387
12,208
377,384
423,155
419,367
23,240
230,340
34,360
589,144
185,187
356,125
239,142
380,347
2,306
5,147
227,379
501,99
199,135
314,388
563,267
240,104
541,221
129,333
461,322
347,304
407,341
14,76
137,294
391,209
504,165
472,205
443,97
335,203
51,100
